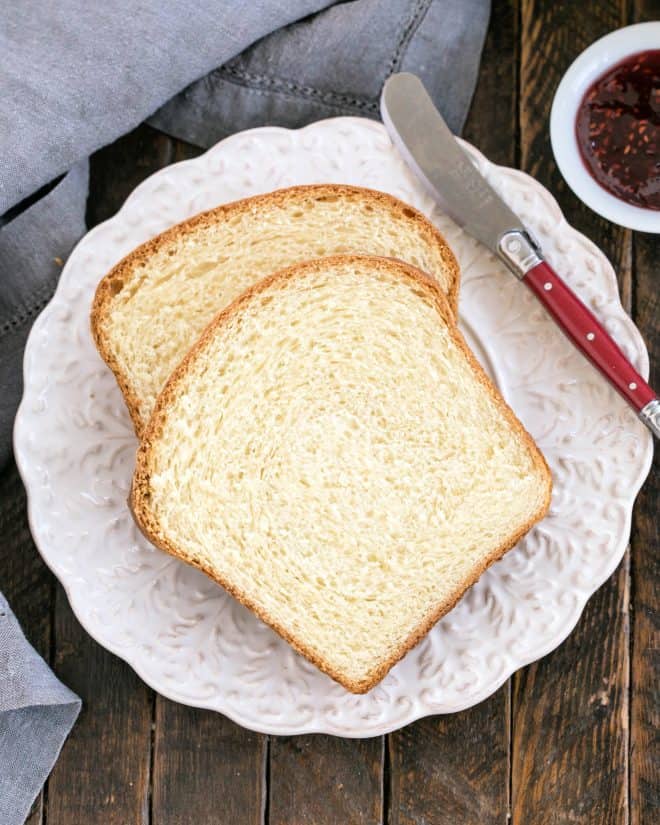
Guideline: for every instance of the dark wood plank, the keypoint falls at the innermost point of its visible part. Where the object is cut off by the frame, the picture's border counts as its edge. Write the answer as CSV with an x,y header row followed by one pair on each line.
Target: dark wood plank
x,y
492,122
207,770
26,582
570,718
645,10
570,733
645,705
645,677
455,768
185,151
117,169
323,780
102,775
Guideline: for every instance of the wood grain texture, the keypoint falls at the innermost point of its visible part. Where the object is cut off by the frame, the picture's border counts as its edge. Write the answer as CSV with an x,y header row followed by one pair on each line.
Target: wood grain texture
x,y
25,580
455,769
102,775
645,10
645,676
185,151
492,122
323,780
570,721
570,710
206,769
117,169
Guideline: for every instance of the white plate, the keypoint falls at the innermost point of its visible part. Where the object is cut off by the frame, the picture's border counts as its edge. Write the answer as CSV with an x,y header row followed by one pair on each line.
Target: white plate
x,y
185,636
585,70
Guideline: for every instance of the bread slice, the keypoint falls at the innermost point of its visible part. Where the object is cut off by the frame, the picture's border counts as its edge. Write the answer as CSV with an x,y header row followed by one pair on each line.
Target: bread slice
x,y
332,454
151,308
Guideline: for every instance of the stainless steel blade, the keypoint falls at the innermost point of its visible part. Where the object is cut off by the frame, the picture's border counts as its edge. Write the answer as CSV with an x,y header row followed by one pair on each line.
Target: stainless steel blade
x,y
421,135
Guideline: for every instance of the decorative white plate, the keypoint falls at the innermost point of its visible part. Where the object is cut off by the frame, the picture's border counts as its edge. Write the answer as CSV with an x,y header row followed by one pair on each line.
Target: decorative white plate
x,y
185,636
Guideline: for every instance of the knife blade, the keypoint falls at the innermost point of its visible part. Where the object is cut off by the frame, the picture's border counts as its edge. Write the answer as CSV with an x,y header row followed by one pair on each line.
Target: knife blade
x,y
426,143
424,140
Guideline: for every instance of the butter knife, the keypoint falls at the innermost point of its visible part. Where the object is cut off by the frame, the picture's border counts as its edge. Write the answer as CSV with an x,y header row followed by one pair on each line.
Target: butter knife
x,y
424,140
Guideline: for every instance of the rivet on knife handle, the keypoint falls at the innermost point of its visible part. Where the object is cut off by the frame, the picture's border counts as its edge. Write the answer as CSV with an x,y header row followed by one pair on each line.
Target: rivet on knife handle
x,y
519,251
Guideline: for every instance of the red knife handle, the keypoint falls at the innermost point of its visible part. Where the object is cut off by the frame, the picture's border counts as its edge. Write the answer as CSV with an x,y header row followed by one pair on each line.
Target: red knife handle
x,y
588,335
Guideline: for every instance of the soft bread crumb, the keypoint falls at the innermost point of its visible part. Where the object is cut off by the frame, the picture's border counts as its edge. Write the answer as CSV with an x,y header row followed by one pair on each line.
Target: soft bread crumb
x,y
332,454
151,308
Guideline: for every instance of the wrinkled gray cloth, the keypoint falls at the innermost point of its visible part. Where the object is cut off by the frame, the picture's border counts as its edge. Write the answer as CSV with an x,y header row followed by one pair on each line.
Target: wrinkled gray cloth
x,y
75,76
36,714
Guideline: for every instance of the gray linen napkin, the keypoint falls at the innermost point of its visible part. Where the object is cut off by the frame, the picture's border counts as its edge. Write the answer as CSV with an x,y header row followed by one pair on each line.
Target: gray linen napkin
x,y
36,714
75,76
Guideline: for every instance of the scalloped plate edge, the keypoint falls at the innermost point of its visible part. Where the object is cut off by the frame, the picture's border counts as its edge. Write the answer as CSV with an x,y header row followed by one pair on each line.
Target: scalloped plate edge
x,y
28,474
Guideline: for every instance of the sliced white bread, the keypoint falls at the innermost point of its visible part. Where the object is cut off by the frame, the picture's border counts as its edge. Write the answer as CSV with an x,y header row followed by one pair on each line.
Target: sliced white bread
x,y
150,309
332,454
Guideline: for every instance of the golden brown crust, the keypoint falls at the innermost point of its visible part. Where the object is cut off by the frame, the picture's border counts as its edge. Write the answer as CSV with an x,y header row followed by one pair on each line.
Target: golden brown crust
x,y
139,496
128,268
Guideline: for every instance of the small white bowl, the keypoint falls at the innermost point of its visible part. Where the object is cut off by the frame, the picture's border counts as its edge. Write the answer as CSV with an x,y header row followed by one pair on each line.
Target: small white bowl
x,y
588,67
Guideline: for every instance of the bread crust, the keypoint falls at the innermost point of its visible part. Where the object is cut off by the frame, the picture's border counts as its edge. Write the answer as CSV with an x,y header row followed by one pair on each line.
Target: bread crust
x,y
128,268
139,495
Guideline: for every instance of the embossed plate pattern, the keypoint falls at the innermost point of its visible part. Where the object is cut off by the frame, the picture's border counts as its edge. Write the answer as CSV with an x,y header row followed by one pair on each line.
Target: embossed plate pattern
x,y
187,638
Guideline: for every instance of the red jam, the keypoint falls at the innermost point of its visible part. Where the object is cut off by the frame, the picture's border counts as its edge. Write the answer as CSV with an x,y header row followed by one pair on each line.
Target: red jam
x,y
618,126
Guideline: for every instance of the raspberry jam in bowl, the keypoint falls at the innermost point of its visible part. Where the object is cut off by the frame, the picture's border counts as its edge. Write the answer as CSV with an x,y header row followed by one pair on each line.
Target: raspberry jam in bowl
x,y
605,127
617,128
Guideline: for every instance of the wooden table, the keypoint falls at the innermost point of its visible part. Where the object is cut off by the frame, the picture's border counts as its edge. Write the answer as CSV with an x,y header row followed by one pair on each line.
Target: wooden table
x,y
569,739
